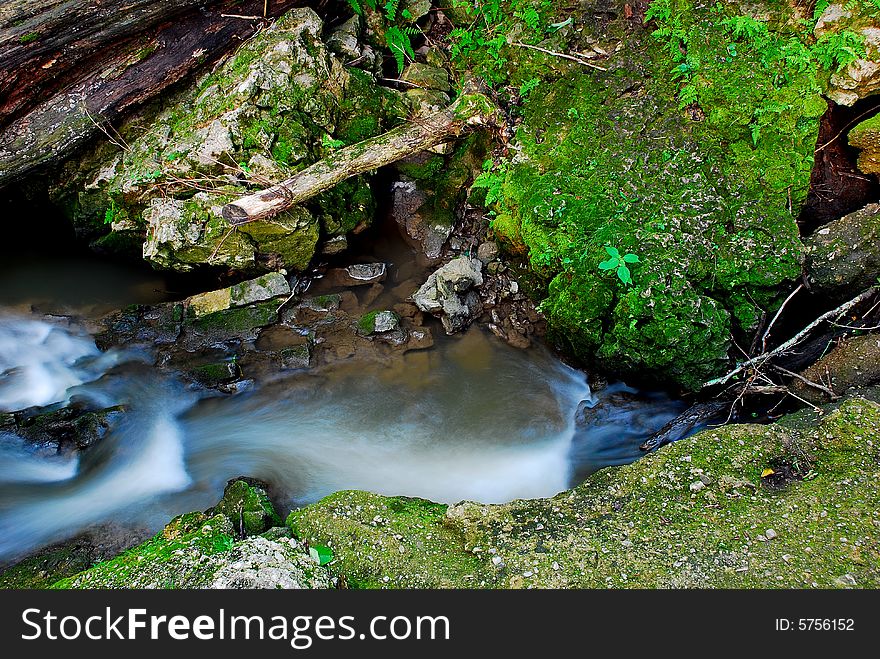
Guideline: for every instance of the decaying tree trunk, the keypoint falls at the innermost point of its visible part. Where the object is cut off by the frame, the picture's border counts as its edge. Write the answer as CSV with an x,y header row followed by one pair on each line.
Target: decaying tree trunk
x,y
472,110
67,66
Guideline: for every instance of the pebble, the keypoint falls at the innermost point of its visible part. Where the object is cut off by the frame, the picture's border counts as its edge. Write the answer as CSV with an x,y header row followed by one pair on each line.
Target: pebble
x,y
696,486
496,560
770,534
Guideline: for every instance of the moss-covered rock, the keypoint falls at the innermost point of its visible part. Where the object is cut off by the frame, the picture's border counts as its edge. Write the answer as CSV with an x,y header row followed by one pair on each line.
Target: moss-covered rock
x,y
703,512
866,137
854,25
843,257
282,102
202,550
248,507
692,151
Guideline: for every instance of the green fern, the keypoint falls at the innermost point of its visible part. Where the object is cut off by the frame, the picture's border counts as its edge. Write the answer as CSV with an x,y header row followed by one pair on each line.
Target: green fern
x,y
398,41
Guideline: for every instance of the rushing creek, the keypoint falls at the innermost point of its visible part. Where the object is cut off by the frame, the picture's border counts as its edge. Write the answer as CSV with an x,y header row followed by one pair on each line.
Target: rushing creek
x,y
471,418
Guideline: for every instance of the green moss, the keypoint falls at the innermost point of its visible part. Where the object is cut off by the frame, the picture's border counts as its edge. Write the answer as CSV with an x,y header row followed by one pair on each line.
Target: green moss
x,y
248,508
364,530
367,322
239,319
30,37
705,194
171,559
645,525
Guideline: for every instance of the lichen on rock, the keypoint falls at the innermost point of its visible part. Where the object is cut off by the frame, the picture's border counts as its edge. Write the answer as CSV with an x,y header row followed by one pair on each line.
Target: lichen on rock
x,y
276,106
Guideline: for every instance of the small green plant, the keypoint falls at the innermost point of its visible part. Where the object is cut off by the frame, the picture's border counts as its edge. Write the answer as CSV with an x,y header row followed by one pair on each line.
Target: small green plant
x,y
528,87
492,181
110,213
620,264
400,27
30,37
329,143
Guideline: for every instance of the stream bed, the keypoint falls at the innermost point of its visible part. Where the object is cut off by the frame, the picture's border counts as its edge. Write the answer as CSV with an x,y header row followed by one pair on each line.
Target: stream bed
x,y
470,418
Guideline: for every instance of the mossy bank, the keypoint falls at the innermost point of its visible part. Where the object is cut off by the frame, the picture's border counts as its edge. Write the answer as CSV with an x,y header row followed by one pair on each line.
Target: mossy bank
x,y
791,505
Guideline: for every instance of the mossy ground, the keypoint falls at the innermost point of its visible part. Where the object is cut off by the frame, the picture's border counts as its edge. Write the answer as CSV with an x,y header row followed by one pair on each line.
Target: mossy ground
x,y
814,523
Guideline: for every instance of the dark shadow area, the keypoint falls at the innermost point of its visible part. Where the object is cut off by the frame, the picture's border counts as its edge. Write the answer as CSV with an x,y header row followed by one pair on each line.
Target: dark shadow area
x,y
837,187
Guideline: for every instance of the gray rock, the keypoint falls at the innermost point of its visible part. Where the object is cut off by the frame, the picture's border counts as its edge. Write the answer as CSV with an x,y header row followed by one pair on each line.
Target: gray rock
x,y
296,357
412,210
367,272
448,293
843,257
696,486
487,252
261,563
379,322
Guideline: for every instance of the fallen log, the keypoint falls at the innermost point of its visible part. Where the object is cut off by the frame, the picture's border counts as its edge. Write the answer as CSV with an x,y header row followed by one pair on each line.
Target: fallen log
x,y
472,110
68,67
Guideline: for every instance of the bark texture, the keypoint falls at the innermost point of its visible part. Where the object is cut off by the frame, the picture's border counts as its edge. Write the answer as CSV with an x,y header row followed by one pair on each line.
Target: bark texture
x,y
68,67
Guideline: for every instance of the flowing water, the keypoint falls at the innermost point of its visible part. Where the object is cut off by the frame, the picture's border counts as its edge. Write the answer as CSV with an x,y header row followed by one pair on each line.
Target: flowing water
x,y
471,418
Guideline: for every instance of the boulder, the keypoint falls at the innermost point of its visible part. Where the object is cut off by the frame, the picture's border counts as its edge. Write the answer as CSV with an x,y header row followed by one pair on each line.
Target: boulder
x,y
282,102
843,257
854,362
448,293
866,137
860,78
248,507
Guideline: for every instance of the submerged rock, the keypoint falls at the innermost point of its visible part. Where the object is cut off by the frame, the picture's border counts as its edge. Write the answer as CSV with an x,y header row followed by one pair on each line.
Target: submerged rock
x,y
449,293
843,257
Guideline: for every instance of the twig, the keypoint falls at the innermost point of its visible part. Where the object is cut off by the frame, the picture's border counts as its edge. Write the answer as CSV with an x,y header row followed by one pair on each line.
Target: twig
x,y
807,382
562,55
776,317
760,359
398,81
247,18
828,143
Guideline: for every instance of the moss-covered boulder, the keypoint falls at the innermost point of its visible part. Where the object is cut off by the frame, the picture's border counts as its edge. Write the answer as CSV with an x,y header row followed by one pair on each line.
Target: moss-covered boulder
x,y
791,505
843,257
248,507
282,102
866,137
851,29
217,549
690,149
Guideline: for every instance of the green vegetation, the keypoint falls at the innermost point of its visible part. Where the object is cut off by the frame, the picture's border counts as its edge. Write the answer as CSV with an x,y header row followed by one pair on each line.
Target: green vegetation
x,y
693,149
399,27
619,264
30,37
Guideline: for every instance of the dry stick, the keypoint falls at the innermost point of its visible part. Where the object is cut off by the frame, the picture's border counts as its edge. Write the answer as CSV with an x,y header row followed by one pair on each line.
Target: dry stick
x,y
807,382
828,143
776,317
846,306
562,55
470,111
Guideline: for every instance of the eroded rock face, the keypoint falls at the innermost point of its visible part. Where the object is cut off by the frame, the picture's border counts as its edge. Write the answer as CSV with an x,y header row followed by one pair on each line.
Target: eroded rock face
x,y
449,293
855,362
273,108
843,257
861,78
